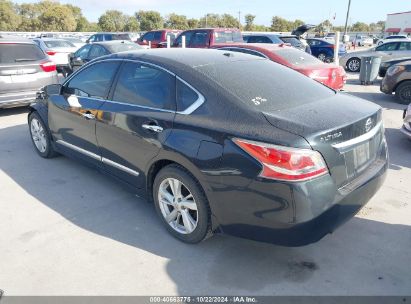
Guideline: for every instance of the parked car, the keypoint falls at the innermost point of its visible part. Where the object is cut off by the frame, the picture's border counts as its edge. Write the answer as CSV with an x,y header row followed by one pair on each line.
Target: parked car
x,y
205,38
99,37
387,64
330,37
324,50
398,80
76,41
363,40
299,44
387,51
58,50
406,128
330,75
236,144
158,38
390,38
262,38
98,49
24,69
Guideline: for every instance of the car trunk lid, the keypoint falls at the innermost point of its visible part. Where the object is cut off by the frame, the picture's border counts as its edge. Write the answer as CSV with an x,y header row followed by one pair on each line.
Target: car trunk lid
x,y
348,136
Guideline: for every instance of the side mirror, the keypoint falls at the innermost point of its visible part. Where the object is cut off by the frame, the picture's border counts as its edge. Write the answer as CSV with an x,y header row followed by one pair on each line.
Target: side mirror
x,y
68,91
53,89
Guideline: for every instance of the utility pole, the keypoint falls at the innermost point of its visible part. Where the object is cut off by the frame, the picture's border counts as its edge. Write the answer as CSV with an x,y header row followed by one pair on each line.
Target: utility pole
x,y
346,18
239,20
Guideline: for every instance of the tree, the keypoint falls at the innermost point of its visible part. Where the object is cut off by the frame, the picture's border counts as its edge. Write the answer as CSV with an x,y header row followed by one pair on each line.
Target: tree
x,y
132,24
9,20
360,27
58,18
297,23
249,22
227,20
81,21
149,20
279,24
192,23
29,14
175,21
112,21
210,20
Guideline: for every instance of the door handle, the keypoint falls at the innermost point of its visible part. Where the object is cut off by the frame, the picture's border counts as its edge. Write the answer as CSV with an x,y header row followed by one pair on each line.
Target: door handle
x,y
153,128
88,115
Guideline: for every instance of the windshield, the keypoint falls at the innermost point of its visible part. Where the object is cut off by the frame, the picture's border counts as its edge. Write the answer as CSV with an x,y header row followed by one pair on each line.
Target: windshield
x,y
12,53
265,85
292,40
123,47
228,36
58,44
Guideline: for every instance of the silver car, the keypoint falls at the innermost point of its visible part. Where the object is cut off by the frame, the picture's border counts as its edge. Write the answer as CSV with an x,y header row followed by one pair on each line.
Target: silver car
x,y
24,69
406,128
390,50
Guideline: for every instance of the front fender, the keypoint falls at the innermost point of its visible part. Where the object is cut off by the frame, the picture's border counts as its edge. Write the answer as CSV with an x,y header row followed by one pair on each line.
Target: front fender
x,y
41,108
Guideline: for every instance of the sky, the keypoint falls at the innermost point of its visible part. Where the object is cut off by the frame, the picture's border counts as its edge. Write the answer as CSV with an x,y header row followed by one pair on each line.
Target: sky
x,y
312,11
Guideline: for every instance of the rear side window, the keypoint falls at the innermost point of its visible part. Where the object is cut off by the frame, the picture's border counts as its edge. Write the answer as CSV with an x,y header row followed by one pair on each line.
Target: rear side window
x,y
97,51
94,81
83,52
227,36
199,39
58,44
387,47
121,37
298,58
12,53
145,86
188,35
264,85
405,46
259,39
186,96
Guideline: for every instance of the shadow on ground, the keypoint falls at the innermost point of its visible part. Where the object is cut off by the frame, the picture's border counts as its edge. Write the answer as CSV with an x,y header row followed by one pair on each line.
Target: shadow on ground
x,y
361,252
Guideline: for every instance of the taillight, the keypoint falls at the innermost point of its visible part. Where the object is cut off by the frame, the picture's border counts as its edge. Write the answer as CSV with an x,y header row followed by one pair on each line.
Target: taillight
x,y
284,163
48,66
51,53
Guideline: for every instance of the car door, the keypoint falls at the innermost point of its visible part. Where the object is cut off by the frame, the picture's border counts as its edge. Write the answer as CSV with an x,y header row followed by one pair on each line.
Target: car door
x,y
387,50
199,39
72,113
404,50
136,120
80,57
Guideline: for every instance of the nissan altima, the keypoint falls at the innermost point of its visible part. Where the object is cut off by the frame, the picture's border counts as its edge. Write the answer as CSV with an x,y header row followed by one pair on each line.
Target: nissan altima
x,y
219,141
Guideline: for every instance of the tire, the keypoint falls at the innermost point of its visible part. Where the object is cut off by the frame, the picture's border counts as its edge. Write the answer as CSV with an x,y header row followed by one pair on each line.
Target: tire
x,y
403,92
178,223
40,136
322,57
354,65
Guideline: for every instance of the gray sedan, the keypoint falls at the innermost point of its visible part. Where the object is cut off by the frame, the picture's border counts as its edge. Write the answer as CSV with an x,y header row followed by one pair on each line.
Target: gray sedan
x,y
390,50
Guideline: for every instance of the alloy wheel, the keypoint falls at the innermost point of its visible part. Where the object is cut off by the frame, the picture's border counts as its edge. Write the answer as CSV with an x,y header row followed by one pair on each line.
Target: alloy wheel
x,y
322,57
178,206
354,65
38,135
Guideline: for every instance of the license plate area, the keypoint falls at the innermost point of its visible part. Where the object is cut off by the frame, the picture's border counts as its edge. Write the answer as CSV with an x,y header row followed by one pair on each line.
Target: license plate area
x,y
361,155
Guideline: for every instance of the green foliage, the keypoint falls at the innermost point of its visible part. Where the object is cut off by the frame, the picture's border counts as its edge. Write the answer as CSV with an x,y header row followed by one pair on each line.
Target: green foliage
x,y
9,20
216,20
249,22
192,23
174,21
279,24
58,18
360,27
149,20
112,21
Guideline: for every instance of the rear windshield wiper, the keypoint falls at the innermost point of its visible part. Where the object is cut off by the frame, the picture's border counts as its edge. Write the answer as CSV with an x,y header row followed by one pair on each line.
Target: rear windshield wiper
x,y
25,59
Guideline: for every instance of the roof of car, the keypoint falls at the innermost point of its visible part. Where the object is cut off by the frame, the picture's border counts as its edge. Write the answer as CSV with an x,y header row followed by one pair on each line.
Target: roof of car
x,y
397,40
14,39
255,46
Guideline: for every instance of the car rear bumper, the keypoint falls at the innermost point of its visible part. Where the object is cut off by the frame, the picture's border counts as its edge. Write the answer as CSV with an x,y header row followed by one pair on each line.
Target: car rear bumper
x,y
297,214
17,99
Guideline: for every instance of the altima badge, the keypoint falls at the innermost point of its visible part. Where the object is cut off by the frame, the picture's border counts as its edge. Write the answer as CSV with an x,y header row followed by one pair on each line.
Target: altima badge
x,y
368,125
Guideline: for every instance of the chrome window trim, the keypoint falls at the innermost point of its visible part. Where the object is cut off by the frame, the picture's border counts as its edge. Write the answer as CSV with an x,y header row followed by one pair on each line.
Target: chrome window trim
x,y
98,157
357,140
194,106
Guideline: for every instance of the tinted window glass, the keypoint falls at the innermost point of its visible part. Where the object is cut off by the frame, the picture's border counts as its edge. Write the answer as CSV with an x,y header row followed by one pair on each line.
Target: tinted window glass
x,y
83,52
120,37
94,81
185,96
199,39
405,46
12,53
265,85
157,36
58,44
245,51
227,36
291,40
148,36
145,86
298,58
188,36
123,47
387,47
92,38
97,51
259,39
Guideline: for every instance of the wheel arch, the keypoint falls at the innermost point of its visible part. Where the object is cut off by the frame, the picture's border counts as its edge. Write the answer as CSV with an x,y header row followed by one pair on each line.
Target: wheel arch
x,y
399,83
41,109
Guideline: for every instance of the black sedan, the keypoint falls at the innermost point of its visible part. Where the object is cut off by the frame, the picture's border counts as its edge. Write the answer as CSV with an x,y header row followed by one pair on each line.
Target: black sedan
x,y
92,51
219,141
387,64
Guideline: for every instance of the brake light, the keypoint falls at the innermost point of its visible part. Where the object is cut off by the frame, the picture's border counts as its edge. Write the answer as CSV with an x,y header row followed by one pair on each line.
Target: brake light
x,y
331,46
48,66
51,53
284,163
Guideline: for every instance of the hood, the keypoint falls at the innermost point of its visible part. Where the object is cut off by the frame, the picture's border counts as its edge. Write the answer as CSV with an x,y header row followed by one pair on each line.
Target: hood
x,y
361,53
302,29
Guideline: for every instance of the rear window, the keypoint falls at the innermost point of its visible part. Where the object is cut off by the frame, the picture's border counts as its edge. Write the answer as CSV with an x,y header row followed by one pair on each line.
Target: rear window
x,y
123,47
265,85
12,53
298,58
121,37
58,44
227,36
291,40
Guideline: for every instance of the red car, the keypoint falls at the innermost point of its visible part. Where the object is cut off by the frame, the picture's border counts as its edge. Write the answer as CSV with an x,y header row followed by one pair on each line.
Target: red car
x,y
330,75
158,38
208,37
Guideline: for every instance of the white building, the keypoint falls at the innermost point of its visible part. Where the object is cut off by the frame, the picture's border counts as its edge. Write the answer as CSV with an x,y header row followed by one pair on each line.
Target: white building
x,y
398,23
